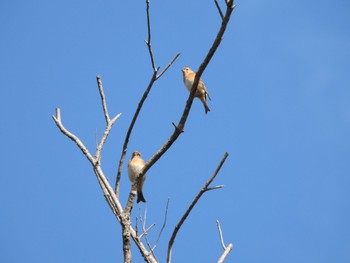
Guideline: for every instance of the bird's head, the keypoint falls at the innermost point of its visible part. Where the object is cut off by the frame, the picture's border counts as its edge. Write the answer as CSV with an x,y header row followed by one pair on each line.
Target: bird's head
x,y
186,70
136,153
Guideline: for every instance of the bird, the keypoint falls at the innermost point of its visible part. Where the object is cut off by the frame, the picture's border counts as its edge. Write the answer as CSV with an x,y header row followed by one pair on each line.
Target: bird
x,y
135,166
201,92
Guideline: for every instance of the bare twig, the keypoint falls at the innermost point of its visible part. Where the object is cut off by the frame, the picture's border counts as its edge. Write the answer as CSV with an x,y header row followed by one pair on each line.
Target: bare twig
x,y
104,137
226,249
148,42
145,231
215,187
71,136
109,122
220,234
168,66
164,223
219,9
189,209
103,99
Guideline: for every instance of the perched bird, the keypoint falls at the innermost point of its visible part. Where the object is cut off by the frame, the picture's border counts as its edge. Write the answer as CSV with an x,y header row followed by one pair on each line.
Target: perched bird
x,y
201,92
135,166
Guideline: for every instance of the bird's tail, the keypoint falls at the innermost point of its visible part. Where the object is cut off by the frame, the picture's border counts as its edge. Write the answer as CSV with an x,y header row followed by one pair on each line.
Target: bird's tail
x,y
206,108
140,197
205,104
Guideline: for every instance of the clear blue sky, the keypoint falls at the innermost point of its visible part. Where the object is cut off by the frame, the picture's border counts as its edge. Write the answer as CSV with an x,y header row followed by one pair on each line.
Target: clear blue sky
x,y
280,88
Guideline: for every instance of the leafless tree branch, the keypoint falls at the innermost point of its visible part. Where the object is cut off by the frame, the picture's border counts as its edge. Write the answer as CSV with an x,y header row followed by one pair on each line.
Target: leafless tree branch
x,y
164,223
226,249
140,105
180,127
108,192
219,9
225,253
220,234
215,187
146,230
189,209
71,136
103,99
168,66
127,137
148,42
111,196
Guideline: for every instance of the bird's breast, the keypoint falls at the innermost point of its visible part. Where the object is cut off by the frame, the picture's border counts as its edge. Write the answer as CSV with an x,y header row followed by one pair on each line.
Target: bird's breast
x,y
188,84
134,170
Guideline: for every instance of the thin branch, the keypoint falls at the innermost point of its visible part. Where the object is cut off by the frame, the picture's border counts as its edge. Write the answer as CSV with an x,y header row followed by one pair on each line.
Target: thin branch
x,y
180,127
164,223
145,231
103,99
220,234
226,249
168,66
150,85
215,187
189,209
127,137
71,136
148,42
104,137
219,9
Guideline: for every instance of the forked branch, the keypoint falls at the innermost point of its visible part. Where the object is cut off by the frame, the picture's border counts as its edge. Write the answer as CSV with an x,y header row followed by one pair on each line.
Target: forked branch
x,y
189,209
219,9
154,77
180,127
111,196
108,192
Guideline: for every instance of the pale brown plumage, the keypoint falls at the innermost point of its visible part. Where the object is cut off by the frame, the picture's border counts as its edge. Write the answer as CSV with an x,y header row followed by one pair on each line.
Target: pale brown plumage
x,y
201,92
135,166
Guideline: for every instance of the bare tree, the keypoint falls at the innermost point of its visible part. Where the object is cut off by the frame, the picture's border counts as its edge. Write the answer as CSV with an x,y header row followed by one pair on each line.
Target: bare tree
x,y
112,195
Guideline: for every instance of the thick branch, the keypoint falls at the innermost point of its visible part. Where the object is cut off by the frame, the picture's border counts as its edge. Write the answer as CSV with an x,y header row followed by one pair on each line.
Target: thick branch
x,y
126,225
189,209
225,253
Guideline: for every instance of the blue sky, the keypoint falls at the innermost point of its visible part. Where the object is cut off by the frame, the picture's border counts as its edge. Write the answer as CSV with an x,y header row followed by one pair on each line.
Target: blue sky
x,y
280,89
